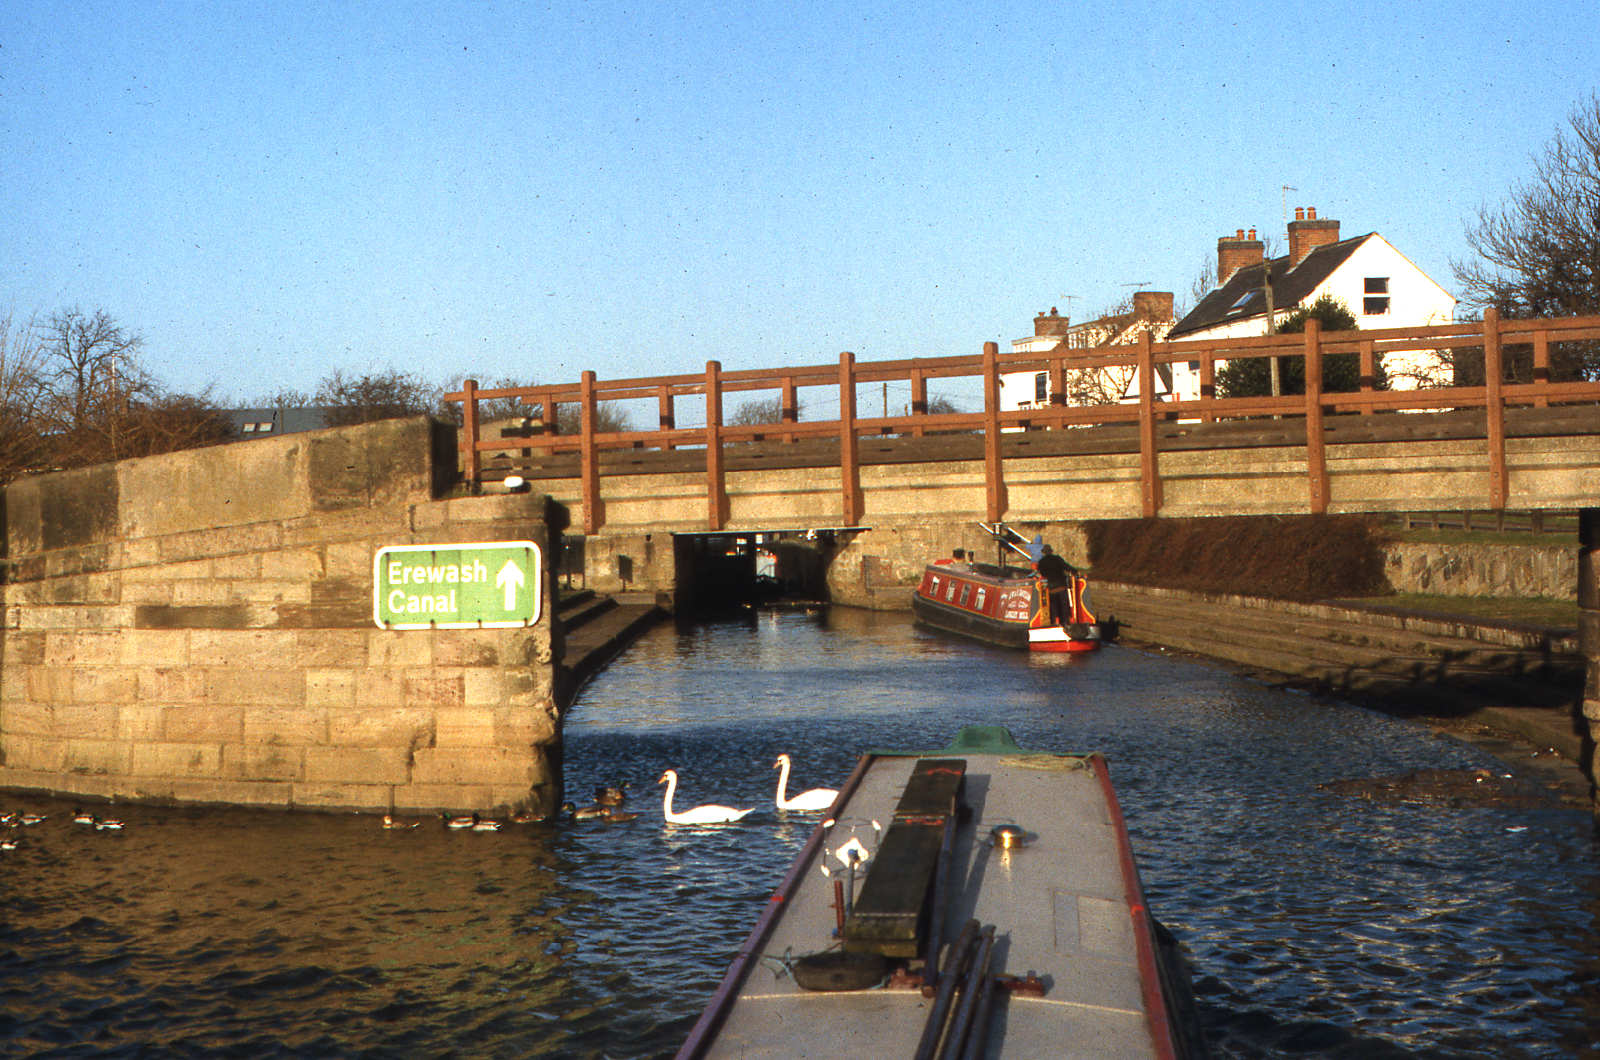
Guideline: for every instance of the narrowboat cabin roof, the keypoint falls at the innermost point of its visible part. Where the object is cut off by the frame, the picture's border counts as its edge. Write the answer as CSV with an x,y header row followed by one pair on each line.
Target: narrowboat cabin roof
x,y
1037,853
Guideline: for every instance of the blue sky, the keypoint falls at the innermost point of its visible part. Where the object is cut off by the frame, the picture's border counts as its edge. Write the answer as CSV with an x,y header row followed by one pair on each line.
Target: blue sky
x,y
268,192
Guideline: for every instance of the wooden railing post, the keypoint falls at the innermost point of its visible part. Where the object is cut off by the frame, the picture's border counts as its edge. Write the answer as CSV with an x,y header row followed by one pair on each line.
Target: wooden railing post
x,y
1208,384
919,399
994,479
471,465
849,450
1494,407
591,456
1541,363
716,486
666,416
1369,372
541,412
1316,457
1149,467
790,411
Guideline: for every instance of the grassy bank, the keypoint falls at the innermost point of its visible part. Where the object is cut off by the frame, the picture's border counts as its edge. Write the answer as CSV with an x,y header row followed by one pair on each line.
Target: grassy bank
x,y
1305,558
1532,611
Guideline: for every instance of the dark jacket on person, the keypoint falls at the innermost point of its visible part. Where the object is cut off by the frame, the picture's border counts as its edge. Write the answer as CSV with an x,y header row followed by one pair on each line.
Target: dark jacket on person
x,y
1053,569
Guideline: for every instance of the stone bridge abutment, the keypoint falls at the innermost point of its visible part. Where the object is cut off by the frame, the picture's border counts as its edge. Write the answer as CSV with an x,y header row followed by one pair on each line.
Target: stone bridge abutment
x,y
198,627
1589,632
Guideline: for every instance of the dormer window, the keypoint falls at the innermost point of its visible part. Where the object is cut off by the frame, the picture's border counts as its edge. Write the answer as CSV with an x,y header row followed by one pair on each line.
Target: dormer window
x,y
1376,296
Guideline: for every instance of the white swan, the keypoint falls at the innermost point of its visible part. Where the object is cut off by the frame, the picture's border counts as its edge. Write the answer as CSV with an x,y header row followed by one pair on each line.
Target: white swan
x,y
709,814
815,799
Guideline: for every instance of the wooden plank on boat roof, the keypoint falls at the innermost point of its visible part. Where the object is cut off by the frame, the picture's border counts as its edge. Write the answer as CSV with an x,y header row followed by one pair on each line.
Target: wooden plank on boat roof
x,y
890,916
933,788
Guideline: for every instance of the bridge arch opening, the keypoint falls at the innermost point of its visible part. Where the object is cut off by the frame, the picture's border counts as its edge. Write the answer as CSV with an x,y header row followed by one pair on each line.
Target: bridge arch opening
x,y
721,570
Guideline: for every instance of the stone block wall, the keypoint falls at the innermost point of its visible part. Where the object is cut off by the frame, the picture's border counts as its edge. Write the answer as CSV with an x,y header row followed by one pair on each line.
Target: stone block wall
x,y
197,627
1482,570
1589,637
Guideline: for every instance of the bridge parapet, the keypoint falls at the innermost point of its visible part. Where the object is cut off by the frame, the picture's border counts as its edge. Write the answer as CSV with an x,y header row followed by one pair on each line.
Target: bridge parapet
x,y
1309,425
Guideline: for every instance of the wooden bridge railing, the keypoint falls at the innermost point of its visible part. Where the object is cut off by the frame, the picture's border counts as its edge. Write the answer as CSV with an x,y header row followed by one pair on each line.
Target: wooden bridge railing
x,y
1489,339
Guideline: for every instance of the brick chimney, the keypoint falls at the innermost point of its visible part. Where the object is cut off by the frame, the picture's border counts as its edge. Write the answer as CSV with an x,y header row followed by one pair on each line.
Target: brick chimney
x,y
1053,325
1236,252
1152,305
1306,233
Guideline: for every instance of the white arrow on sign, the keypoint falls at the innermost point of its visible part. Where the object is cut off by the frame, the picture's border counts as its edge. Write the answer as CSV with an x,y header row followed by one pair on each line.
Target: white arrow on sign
x,y
510,579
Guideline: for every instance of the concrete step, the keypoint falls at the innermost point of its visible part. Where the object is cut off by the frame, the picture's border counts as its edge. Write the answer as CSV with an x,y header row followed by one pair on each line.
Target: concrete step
x,y
1347,639
582,608
1527,686
604,633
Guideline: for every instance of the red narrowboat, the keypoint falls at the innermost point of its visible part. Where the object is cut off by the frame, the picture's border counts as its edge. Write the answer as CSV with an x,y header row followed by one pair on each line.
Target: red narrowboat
x,y
1008,605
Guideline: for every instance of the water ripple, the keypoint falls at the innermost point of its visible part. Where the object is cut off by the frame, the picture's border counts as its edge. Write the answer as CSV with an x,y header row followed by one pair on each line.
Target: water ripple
x,y
1319,925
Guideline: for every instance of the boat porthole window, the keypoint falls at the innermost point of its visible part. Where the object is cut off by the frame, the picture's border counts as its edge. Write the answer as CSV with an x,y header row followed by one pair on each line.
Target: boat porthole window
x,y
978,600
950,592
965,591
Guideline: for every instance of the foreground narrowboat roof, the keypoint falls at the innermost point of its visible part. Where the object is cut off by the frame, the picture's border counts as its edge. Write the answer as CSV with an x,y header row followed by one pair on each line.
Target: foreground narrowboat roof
x,y
1066,907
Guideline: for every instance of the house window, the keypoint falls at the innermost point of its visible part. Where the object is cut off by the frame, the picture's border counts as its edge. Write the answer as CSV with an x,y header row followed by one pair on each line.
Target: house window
x,y
1041,387
1376,302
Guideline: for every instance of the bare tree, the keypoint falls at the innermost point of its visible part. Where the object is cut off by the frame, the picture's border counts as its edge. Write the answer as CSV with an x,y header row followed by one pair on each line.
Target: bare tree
x,y
91,363
1107,385
282,398
1203,284
759,412
162,422
1539,253
371,396
21,364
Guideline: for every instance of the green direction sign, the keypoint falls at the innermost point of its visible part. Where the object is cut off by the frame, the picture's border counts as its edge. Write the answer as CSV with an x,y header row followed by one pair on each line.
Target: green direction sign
x,y
466,586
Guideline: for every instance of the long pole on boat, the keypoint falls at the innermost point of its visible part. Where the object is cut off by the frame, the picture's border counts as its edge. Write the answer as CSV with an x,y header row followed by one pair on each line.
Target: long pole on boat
x,y
1002,535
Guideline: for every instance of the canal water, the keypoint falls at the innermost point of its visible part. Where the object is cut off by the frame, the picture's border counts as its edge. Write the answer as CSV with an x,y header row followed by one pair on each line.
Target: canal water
x,y
1319,924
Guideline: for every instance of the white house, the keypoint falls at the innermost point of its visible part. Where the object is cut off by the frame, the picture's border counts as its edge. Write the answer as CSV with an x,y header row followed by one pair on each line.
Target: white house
x,y
1149,311
1380,285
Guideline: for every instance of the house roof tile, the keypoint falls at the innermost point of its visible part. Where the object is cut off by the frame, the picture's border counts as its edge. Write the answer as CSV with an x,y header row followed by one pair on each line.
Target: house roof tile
x,y
1241,298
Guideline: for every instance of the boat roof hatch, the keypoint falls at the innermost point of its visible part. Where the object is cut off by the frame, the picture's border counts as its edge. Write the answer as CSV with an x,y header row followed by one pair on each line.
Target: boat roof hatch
x,y
984,740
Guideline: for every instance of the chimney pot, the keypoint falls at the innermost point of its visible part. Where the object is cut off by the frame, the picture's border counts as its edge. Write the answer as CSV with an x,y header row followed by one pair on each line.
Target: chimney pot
x,y
1235,252
1155,306
1307,233
1299,213
1053,324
